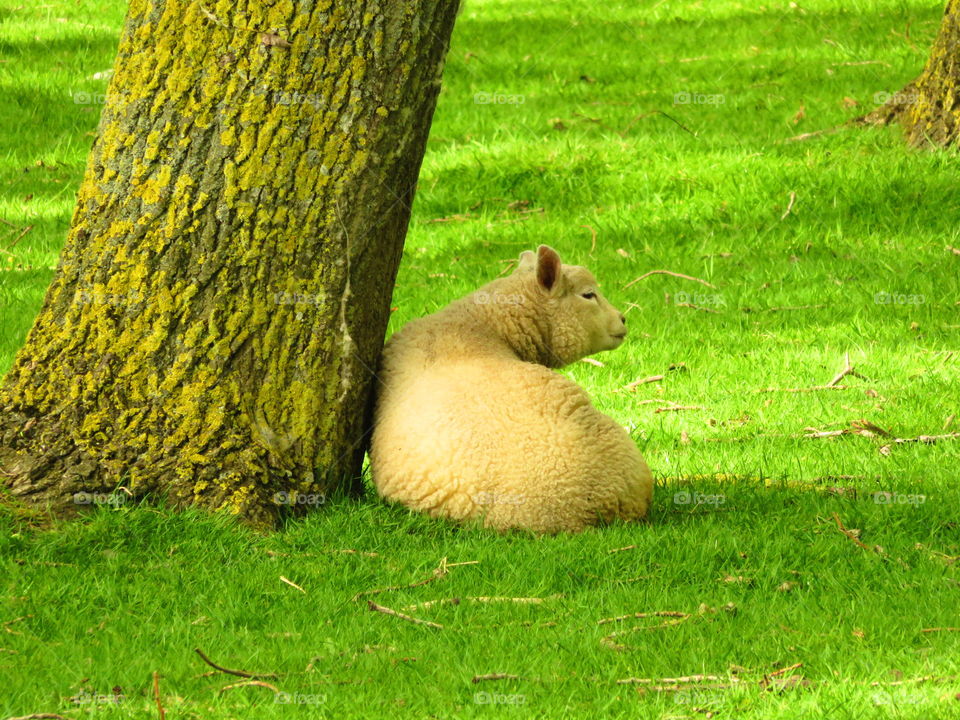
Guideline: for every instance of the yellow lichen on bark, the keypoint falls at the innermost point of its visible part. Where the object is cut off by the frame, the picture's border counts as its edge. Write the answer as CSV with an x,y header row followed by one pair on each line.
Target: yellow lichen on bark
x,y
929,107
202,335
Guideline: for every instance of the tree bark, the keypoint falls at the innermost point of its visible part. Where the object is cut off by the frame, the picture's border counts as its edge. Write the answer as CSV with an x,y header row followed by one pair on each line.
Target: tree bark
x,y
929,107
219,306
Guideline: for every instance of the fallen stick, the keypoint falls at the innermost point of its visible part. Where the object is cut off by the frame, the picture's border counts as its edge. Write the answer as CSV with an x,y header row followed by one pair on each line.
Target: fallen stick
x,y
228,671
928,439
671,681
787,669
388,611
11,622
494,676
156,695
806,389
494,599
438,572
643,381
792,307
853,536
609,641
680,688
20,237
655,613
292,584
847,370
696,307
793,197
672,274
250,683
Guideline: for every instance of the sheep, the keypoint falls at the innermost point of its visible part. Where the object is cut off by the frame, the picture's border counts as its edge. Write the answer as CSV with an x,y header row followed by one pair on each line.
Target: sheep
x,y
472,422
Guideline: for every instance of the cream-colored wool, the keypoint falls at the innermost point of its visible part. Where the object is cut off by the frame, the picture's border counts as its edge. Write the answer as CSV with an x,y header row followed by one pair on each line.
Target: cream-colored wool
x,y
471,422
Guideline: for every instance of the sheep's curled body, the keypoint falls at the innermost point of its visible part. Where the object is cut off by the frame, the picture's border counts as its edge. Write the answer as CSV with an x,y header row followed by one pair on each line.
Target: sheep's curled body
x,y
466,428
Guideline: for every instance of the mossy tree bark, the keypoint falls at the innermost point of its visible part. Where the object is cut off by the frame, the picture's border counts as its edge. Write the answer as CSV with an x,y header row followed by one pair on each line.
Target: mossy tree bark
x,y
223,293
929,107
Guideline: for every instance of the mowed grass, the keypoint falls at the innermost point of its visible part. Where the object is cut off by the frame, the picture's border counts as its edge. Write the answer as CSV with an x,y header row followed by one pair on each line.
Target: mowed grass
x,y
658,128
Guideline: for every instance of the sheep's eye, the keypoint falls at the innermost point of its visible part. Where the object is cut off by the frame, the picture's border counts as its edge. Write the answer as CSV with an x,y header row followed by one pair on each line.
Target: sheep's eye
x,y
588,295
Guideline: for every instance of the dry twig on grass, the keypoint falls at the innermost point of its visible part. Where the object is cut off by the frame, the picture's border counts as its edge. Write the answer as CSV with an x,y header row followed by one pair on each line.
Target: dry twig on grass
x,y
854,536
671,274
609,640
848,369
793,197
670,681
156,694
696,307
481,599
11,622
441,570
228,671
249,683
389,611
495,676
927,439
291,583
23,234
642,381
655,613
804,389
672,408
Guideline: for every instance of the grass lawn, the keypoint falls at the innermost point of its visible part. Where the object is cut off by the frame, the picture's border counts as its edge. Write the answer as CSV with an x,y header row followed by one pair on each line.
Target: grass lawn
x,y
781,576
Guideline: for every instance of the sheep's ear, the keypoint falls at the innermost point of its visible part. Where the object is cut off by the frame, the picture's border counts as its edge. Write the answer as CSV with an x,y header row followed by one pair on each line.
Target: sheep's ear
x,y
528,261
548,267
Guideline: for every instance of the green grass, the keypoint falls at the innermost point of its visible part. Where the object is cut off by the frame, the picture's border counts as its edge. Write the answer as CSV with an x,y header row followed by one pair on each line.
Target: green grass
x,y
699,189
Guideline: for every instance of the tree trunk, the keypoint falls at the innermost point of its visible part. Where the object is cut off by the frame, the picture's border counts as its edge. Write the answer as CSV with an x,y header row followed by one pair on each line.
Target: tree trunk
x,y
929,107
223,293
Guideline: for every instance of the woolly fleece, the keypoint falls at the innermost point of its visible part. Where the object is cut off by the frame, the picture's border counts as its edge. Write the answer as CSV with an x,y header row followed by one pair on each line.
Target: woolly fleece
x,y
471,422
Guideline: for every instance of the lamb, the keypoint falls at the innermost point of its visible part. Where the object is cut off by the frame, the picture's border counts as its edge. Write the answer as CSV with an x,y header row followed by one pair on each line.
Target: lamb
x,y
472,422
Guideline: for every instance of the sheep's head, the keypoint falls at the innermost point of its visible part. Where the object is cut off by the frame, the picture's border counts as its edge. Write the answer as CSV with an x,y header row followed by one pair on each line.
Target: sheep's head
x,y
578,319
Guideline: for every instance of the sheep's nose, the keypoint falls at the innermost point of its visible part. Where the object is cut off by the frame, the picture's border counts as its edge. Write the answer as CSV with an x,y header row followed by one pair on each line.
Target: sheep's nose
x,y
623,319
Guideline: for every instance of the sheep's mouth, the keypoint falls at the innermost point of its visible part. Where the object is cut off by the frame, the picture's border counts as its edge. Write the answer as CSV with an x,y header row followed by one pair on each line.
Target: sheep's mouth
x,y
618,336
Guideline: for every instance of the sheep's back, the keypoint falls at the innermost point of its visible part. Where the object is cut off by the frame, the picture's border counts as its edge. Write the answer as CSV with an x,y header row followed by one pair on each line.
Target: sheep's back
x,y
513,442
